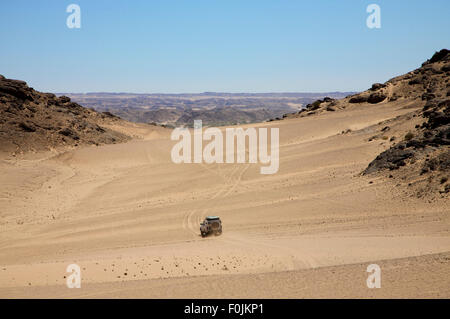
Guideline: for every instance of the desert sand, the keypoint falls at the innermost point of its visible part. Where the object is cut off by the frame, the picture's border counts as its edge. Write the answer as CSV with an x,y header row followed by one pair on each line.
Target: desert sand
x,y
129,217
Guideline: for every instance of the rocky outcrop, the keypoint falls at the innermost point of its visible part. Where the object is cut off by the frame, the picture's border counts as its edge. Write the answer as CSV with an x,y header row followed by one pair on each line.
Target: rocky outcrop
x,y
360,98
375,98
426,91
391,159
429,144
32,120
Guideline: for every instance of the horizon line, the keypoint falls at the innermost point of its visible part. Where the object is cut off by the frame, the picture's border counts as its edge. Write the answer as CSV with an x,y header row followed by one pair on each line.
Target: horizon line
x,y
207,93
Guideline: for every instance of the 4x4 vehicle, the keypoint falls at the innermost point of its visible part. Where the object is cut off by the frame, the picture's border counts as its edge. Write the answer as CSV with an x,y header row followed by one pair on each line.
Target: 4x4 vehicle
x,y
211,225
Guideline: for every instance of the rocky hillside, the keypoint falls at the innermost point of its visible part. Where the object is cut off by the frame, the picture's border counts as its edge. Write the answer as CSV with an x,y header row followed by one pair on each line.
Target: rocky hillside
x,y
426,150
31,120
422,156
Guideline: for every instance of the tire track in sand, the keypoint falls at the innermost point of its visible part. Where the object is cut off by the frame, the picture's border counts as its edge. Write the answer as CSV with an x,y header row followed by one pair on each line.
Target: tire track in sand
x,y
193,217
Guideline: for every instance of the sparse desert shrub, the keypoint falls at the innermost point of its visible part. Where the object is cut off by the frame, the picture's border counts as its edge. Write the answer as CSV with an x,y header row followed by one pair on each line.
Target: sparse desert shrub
x,y
315,105
409,136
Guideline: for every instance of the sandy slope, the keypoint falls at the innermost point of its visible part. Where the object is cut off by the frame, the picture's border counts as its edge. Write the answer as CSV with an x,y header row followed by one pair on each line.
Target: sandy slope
x,y
129,217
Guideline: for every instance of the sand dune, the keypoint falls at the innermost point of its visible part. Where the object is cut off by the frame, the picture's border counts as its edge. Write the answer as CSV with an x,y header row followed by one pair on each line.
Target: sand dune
x,y
129,217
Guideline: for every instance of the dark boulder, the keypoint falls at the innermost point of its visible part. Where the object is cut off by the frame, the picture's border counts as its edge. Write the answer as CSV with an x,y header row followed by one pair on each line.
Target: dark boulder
x,y
377,86
441,163
414,81
375,98
415,144
15,88
428,96
314,106
69,133
63,99
439,56
436,119
358,99
27,127
392,158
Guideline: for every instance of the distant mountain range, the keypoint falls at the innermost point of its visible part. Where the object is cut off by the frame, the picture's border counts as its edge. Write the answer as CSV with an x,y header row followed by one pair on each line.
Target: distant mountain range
x,y
213,108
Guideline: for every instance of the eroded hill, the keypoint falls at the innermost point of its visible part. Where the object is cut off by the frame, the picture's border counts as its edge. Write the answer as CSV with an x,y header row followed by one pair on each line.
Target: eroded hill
x,y
32,120
422,153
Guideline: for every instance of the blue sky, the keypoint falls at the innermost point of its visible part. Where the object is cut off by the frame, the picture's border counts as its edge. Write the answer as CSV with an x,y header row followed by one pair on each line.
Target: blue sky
x,y
172,46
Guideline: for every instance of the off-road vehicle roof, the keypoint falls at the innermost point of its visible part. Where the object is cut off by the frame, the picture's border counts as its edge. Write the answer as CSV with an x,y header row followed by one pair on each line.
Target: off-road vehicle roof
x,y
212,217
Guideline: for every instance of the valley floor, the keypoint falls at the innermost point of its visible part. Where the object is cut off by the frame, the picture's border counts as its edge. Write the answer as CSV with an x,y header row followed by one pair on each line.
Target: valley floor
x,y
129,218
